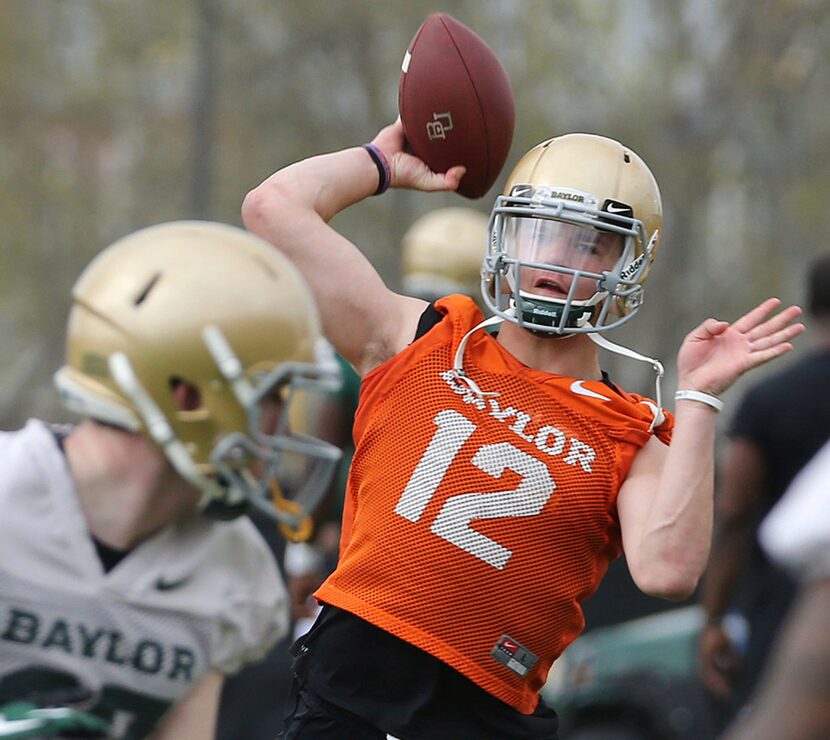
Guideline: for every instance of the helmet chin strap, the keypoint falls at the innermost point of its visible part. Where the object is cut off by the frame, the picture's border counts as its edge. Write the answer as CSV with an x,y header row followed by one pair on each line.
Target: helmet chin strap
x,y
657,410
458,363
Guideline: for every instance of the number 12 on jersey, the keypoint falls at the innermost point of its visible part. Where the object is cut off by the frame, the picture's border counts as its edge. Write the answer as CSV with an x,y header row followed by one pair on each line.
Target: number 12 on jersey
x,y
453,520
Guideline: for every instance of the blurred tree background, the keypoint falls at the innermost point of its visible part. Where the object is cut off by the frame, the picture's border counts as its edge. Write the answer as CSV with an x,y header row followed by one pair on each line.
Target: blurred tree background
x,y
115,115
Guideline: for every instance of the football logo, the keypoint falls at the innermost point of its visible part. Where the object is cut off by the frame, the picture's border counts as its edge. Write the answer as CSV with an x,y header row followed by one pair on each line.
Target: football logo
x,y
439,125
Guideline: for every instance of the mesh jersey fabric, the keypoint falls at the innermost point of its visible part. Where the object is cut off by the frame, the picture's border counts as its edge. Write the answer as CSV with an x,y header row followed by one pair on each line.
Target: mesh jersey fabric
x,y
195,597
475,520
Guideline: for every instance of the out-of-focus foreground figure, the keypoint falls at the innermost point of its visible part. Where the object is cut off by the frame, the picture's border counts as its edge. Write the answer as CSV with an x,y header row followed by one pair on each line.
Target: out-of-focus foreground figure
x,y
130,585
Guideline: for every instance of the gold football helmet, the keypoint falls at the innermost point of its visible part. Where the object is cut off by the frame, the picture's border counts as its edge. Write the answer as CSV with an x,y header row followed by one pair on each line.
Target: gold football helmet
x,y
442,253
573,236
217,309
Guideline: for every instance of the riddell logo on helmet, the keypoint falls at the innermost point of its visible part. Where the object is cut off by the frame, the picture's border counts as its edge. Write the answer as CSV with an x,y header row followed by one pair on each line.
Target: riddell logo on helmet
x,y
632,268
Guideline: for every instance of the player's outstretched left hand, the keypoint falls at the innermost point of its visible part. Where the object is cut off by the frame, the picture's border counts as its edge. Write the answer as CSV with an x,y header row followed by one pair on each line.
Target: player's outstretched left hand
x,y
717,353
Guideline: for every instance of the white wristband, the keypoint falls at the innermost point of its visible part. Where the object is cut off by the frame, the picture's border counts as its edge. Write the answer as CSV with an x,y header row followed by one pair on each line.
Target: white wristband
x,y
706,398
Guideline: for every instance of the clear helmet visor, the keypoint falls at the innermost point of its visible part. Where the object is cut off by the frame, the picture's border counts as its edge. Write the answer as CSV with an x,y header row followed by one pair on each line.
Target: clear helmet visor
x,y
556,259
557,270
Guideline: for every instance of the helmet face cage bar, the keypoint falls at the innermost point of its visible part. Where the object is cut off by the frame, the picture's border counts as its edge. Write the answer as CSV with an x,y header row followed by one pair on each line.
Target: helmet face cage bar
x,y
501,273
234,453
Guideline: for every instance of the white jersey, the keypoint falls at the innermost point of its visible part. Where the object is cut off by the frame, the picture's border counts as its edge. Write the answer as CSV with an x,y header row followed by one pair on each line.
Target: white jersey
x,y
796,533
195,597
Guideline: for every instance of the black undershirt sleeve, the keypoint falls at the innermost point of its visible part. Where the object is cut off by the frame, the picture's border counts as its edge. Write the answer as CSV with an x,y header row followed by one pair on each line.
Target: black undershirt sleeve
x,y
429,318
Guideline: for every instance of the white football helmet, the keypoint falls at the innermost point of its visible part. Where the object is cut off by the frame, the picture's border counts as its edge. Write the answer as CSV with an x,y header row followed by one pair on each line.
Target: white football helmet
x,y
573,237
218,309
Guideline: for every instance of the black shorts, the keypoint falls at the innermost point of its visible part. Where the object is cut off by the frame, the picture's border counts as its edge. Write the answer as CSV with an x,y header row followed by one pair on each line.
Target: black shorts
x,y
310,717
352,677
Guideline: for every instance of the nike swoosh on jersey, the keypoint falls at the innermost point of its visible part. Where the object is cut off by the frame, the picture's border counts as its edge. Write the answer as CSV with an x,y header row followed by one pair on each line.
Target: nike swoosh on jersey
x,y
162,584
580,390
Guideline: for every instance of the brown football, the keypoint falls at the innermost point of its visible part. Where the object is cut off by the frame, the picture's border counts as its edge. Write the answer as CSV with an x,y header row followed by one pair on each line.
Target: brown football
x,y
456,103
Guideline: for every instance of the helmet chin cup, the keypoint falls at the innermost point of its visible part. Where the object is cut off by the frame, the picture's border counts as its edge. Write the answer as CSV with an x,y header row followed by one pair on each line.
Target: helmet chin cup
x,y
554,315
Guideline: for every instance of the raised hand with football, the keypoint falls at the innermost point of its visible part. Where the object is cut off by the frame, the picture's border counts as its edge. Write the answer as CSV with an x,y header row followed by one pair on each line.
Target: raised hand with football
x,y
456,103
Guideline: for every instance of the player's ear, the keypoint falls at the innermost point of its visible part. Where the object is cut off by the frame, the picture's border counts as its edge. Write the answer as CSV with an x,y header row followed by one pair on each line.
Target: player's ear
x,y
186,396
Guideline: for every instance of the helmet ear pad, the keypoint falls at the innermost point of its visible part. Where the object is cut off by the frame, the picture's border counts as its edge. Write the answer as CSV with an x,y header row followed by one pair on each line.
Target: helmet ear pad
x,y
186,396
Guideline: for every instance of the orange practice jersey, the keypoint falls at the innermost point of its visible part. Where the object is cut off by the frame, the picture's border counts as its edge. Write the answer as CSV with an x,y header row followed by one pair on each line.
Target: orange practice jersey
x,y
475,524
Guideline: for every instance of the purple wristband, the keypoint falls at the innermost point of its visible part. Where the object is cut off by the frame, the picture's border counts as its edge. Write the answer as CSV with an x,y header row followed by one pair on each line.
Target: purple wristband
x,y
379,158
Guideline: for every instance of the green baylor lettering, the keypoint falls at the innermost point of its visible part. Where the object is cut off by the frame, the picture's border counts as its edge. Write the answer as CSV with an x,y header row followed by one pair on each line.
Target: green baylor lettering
x,y
147,656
